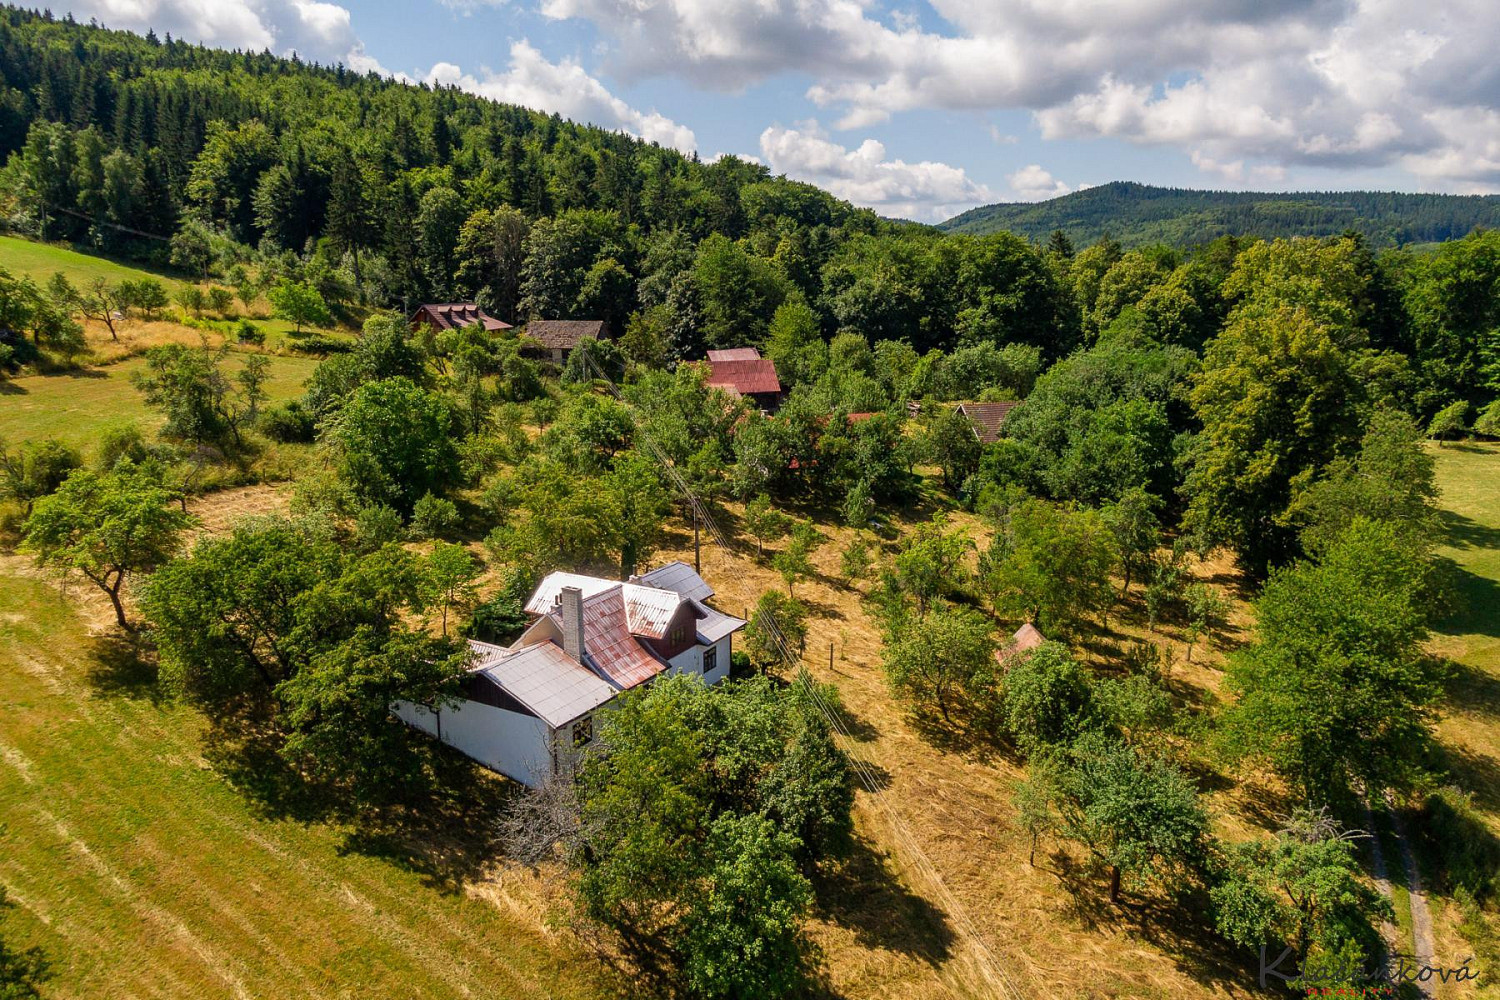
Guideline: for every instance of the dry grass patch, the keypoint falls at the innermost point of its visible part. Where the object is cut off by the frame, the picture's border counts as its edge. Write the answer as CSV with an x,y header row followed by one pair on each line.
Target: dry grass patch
x,y
883,926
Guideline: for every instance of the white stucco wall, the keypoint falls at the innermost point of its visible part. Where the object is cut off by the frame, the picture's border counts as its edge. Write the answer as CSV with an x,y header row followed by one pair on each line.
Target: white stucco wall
x,y
516,745
690,661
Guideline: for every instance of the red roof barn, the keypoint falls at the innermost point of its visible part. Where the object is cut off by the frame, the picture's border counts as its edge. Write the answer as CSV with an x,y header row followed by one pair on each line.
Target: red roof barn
x,y
752,377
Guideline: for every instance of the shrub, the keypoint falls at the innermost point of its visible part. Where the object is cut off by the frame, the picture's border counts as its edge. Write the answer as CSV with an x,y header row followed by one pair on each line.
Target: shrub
x,y
502,618
433,517
376,525
288,423
1449,422
248,333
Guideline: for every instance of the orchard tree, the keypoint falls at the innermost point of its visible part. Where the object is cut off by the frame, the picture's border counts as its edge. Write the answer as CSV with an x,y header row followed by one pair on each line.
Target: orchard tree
x,y
1136,529
450,579
943,660
35,470
1336,692
1391,479
1050,565
764,522
1303,887
395,444
794,562
1449,422
107,527
952,444
299,303
1048,698
1137,816
105,302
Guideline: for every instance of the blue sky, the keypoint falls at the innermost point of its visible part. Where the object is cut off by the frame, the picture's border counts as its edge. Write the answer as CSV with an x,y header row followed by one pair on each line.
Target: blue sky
x,y
923,108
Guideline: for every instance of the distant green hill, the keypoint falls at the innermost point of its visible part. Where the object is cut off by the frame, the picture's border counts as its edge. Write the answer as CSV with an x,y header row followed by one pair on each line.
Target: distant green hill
x,y
1136,213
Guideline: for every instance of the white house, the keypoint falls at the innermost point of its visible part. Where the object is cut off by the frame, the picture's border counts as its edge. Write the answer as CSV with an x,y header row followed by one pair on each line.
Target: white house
x,y
526,706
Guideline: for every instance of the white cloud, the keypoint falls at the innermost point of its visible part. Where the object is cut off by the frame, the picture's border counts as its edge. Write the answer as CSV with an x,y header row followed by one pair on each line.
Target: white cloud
x,y
927,191
566,88
1274,83
313,29
1032,183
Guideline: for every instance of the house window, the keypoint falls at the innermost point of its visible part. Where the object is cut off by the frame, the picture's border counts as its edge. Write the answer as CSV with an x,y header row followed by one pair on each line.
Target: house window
x,y
678,635
583,732
710,659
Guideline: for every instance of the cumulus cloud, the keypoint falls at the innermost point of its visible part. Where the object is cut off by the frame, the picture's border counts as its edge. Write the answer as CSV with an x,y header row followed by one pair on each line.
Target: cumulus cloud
x,y
1267,84
312,29
927,191
566,88
1032,183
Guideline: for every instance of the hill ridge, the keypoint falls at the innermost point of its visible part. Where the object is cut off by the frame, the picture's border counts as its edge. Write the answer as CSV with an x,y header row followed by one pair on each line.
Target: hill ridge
x,y
1136,213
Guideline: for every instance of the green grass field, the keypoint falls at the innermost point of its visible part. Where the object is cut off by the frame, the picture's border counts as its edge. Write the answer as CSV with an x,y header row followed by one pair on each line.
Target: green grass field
x,y
74,407
42,260
142,873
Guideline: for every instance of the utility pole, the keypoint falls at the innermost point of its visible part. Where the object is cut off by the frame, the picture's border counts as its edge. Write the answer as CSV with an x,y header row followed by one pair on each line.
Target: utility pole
x,y
697,555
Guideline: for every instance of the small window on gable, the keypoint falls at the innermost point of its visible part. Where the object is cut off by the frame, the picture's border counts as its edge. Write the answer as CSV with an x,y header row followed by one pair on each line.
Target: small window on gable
x,y
679,633
710,659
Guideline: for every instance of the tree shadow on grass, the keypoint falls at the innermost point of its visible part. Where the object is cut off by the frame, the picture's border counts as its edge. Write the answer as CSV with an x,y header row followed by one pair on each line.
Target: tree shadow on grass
x,y
1477,609
863,894
1473,690
119,665
446,836
9,388
1466,533
442,830
1176,925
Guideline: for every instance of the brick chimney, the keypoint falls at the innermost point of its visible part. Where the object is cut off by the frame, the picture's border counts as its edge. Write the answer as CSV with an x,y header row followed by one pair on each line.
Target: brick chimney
x,y
570,603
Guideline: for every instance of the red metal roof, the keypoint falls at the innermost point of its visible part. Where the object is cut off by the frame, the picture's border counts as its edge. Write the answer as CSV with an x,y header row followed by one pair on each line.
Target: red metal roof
x,y
610,646
748,378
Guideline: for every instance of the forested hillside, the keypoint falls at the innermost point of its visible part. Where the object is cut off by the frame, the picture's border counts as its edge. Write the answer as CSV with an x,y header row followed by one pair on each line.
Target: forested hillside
x,y
1137,214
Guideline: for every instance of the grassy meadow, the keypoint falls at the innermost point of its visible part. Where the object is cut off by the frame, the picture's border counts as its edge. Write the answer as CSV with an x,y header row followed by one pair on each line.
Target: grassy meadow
x,y
143,873
40,261
74,406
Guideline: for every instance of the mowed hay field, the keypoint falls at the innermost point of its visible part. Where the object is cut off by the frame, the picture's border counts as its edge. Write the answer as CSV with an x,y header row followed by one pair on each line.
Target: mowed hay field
x,y
1469,478
142,873
943,817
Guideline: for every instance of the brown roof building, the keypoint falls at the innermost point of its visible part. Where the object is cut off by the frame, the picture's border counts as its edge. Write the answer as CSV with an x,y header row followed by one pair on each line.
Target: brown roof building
x,y
455,316
735,354
1027,638
752,377
559,336
987,418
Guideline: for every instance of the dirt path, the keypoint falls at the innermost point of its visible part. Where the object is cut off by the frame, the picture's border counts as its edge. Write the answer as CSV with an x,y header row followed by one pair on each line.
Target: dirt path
x,y
1421,916
1388,930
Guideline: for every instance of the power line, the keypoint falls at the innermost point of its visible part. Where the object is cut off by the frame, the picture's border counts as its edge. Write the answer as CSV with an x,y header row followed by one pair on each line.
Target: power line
x,y
988,965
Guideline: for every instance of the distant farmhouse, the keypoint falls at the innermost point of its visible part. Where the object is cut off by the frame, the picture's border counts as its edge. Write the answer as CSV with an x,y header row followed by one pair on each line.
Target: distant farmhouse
x,y
987,418
558,337
741,371
526,707
442,316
